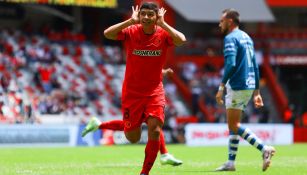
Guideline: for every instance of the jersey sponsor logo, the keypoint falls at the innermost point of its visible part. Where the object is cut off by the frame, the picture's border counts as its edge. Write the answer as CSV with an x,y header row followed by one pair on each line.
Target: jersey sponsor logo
x,y
147,53
127,124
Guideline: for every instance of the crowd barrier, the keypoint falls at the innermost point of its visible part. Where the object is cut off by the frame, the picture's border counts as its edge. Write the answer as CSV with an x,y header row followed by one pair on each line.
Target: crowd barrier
x,y
217,134
195,135
45,135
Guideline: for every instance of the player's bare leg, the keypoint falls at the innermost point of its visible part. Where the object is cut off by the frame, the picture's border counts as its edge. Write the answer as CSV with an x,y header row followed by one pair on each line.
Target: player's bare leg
x,y
134,135
153,144
233,119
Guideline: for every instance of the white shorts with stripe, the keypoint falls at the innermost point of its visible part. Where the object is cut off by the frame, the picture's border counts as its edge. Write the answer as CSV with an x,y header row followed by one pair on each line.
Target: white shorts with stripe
x,y
237,99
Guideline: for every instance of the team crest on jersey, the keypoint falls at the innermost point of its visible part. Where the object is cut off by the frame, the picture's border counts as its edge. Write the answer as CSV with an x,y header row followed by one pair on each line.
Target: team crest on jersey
x,y
147,52
127,124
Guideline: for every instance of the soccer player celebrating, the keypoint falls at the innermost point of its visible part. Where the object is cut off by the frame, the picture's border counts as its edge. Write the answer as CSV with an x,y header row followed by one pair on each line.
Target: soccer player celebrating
x,y
165,158
146,37
241,79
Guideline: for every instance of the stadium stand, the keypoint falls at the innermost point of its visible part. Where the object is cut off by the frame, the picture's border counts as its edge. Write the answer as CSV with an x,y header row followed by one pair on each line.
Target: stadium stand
x,y
59,75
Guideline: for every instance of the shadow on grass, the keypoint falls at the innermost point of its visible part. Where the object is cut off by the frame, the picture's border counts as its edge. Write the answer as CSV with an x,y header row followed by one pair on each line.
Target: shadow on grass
x,y
190,172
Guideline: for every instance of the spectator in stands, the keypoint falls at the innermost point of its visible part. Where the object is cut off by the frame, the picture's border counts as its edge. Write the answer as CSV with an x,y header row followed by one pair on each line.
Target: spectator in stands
x,y
188,71
264,114
5,80
46,73
196,91
2,117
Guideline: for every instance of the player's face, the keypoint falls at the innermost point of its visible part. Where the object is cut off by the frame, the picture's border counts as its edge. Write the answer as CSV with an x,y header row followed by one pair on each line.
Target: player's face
x,y
224,24
148,17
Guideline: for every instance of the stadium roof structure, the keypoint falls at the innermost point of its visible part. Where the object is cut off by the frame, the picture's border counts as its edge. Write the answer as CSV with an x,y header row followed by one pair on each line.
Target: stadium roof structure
x,y
211,10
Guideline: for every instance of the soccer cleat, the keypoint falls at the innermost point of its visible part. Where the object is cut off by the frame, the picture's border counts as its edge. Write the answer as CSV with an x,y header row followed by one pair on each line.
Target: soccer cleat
x,y
268,153
92,126
168,159
226,167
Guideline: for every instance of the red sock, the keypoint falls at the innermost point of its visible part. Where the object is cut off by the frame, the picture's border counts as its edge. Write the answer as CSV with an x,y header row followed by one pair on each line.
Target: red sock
x,y
163,149
151,152
116,125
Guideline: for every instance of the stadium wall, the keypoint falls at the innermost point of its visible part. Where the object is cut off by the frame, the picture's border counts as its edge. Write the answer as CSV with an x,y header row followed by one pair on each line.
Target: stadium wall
x,y
217,134
287,3
300,134
46,135
25,135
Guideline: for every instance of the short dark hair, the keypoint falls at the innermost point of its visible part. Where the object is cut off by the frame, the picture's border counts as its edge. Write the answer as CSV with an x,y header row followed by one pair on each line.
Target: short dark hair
x,y
232,14
151,5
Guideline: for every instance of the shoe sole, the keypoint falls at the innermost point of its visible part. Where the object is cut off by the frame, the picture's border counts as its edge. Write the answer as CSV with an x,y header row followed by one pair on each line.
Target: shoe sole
x,y
173,164
177,164
225,167
226,170
268,163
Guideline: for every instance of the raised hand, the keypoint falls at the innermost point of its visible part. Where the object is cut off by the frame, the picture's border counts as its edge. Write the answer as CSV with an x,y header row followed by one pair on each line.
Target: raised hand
x,y
161,14
135,14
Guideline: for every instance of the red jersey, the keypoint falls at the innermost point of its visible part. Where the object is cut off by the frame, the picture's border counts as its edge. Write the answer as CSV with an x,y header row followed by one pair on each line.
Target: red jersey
x,y
146,55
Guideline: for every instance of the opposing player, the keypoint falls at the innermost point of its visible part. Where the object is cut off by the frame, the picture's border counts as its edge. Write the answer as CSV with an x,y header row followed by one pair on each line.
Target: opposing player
x,y
146,37
241,79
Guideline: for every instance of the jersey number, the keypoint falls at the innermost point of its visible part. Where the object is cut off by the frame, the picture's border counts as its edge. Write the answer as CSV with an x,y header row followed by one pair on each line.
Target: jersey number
x,y
249,51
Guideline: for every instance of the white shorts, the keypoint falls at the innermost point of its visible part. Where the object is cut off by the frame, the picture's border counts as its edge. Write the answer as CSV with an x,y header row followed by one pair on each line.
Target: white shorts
x,y
237,99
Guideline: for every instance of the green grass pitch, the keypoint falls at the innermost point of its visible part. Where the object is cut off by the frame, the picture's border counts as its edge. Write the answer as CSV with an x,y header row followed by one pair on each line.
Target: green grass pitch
x,y
127,160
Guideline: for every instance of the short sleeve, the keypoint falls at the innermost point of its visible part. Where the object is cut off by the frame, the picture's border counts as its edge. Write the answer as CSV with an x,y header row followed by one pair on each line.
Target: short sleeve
x,y
123,34
169,40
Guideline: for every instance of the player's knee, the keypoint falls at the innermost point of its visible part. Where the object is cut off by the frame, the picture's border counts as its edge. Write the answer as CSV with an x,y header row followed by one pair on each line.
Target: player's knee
x,y
133,136
154,128
133,139
154,132
234,128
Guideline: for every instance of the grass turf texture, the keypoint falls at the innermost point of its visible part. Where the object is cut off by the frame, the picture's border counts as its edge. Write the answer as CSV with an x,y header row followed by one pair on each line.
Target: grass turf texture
x,y
127,160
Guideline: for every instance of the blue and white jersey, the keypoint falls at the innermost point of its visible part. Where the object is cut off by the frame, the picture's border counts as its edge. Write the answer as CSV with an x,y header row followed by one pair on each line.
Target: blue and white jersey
x,y
241,70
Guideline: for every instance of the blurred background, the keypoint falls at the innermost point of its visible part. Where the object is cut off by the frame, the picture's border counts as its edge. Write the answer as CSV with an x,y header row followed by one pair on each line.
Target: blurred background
x,y
57,69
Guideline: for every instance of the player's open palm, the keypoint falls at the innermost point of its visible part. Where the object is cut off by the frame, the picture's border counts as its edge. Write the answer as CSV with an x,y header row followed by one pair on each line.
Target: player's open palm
x,y
161,14
258,101
135,14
